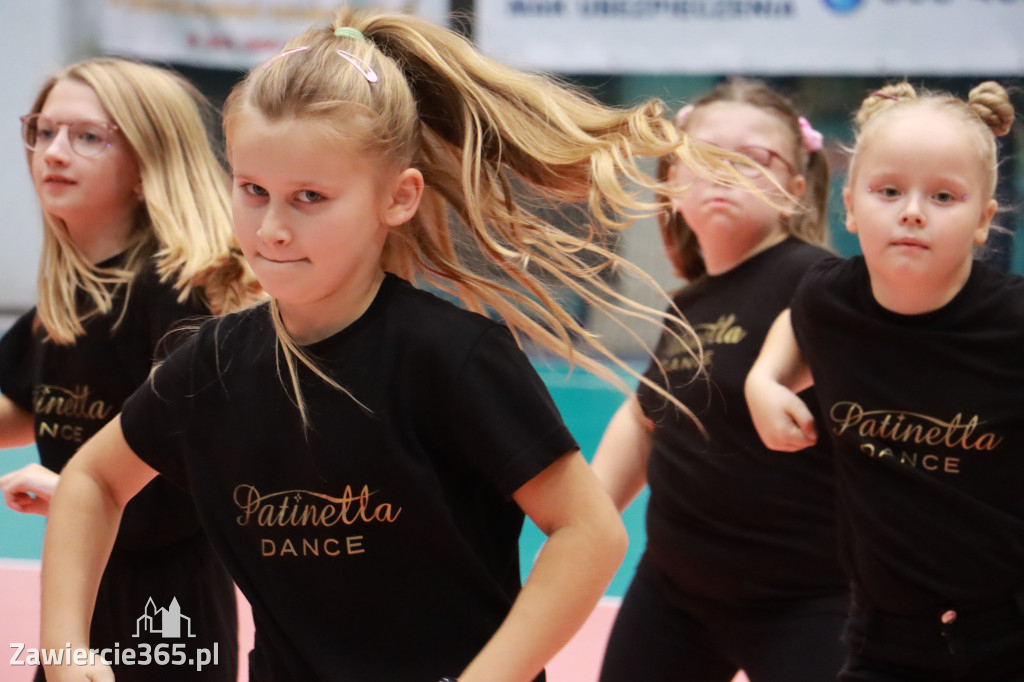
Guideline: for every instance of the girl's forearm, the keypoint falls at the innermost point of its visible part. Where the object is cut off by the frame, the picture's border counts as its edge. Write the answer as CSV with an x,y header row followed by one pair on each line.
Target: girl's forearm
x,y
620,462
570,575
83,522
780,359
85,513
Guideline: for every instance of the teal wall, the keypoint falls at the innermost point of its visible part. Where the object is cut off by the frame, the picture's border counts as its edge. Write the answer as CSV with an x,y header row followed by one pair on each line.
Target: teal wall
x,y
21,535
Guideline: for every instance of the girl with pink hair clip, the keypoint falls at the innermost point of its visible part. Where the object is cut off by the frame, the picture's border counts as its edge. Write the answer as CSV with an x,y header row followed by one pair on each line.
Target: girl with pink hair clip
x,y
740,570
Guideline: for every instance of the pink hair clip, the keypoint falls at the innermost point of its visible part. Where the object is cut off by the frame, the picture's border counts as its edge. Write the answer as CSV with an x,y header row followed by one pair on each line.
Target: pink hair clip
x,y
682,114
368,73
813,140
269,62
365,69
885,95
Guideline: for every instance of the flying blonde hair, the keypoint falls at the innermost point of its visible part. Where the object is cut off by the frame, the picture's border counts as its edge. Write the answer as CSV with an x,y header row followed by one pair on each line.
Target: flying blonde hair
x,y
497,147
184,223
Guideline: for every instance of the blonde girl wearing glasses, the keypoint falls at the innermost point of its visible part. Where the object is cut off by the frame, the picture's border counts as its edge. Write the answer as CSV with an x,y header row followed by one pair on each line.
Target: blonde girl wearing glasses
x,y
740,568
137,242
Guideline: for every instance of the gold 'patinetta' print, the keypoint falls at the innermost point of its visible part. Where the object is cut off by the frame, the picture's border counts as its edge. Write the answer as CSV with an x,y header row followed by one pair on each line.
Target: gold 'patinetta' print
x,y
902,426
680,356
307,510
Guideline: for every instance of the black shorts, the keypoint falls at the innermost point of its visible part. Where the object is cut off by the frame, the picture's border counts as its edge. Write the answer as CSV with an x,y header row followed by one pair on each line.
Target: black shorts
x,y
661,637
978,644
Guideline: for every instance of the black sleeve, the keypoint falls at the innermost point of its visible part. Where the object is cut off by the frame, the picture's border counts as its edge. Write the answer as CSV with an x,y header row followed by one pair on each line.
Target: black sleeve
x,y
166,321
16,366
501,417
154,417
805,308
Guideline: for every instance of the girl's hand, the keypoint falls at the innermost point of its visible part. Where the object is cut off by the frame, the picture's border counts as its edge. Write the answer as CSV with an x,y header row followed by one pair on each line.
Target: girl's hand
x,y
780,417
28,490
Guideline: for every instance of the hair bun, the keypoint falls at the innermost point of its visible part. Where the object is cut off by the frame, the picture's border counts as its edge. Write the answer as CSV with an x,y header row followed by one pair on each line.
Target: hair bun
x,y
991,103
882,99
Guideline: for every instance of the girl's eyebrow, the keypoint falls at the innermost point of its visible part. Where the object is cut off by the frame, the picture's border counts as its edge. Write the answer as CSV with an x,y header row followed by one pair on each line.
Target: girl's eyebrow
x,y
291,185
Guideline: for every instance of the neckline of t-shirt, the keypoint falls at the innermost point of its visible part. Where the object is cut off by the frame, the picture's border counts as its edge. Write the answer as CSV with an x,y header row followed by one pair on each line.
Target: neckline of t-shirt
x,y
750,262
930,317
388,284
114,261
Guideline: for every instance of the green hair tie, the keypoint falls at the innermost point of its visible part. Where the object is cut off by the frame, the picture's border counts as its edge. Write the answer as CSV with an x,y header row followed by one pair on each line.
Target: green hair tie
x,y
349,32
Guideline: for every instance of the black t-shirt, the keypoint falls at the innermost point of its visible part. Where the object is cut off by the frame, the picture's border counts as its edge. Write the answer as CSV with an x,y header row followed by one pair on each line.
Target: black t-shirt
x,y
73,390
381,544
729,519
927,419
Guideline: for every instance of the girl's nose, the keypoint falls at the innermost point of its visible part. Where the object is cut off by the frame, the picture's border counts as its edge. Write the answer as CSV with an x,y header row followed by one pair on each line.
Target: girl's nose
x,y
912,214
273,230
59,149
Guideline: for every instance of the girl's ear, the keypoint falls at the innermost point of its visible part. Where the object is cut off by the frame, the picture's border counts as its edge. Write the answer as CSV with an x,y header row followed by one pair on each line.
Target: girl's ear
x,y
404,197
987,213
796,186
851,223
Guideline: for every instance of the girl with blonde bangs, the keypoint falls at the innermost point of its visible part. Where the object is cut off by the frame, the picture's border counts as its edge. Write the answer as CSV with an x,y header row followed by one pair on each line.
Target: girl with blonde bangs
x,y
183,222
137,244
368,499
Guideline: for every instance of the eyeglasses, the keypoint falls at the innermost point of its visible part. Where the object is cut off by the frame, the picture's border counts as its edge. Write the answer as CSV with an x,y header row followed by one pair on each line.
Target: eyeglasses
x,y
762,156
87,138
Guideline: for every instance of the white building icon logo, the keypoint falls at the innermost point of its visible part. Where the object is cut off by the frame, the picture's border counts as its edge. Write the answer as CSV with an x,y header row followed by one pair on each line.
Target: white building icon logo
x,y
163,621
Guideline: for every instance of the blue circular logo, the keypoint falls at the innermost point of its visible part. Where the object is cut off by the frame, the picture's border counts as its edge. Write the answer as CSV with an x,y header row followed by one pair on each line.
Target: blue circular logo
x,y
843,6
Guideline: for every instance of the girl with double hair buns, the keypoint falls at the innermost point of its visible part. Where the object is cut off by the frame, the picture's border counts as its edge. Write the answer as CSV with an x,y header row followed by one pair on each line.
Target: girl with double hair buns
x,y
914,349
